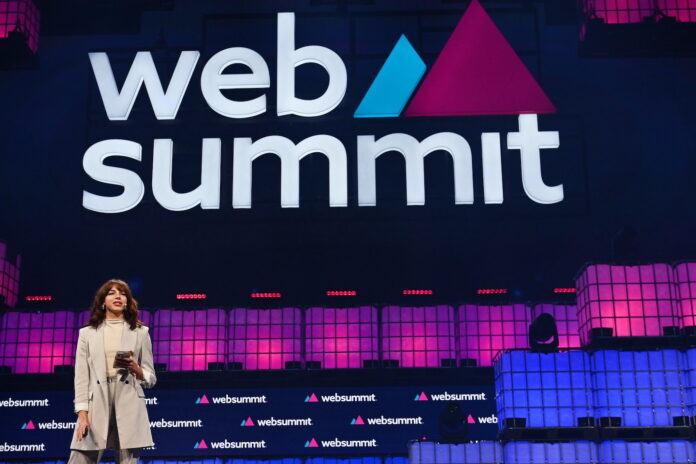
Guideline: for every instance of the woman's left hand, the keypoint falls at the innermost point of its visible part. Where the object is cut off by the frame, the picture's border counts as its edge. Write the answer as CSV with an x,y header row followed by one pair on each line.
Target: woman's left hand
x,y
135,369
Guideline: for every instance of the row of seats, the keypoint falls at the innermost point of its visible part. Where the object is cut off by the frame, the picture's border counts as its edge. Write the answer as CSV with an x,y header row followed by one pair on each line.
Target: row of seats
x,y
577,452
246,338
577,388
642,300
318,460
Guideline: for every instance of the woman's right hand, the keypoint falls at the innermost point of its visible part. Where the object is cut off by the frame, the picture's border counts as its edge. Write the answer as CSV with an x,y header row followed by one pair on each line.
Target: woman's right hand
x,y
82,425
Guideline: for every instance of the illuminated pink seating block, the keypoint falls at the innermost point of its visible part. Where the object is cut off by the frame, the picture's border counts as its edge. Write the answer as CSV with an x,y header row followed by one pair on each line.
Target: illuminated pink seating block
x,y
34,343
189,340
629,300
341,337
265,338
635,11
9,276
418,336
566,317
22,15
484,330
685,278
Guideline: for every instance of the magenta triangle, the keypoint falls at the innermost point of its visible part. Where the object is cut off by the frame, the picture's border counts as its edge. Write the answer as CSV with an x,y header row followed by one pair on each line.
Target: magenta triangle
x,y
478,73
249,422
202,445
313,444
470,419
313,398
30,425
359,421
423,397
204,400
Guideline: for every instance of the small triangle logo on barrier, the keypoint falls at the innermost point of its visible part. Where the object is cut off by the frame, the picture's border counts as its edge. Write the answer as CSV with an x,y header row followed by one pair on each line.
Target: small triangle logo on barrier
x,y
470,419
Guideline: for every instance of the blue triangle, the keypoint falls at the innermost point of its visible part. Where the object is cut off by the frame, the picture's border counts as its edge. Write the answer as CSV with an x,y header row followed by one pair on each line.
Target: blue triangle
x,y
198,400
306,445
195,446
352,422
416,398
243,422
394,84
24,426
306,399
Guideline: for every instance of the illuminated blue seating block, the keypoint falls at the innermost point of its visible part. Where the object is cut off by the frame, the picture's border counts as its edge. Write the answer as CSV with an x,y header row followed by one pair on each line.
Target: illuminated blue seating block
x,y
690,381
224,461
522,452
548,390
355,460
643,388
482,452
395,460
675,451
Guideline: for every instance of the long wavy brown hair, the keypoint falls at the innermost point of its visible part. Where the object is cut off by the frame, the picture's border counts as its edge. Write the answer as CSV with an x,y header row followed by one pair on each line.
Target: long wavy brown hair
x,y
130,313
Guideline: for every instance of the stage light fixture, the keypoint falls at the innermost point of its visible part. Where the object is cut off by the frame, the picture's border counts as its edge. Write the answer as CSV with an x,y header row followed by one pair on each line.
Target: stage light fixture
x,y
341,293
191,296
421,291
543,334
38,298
492,291
266,295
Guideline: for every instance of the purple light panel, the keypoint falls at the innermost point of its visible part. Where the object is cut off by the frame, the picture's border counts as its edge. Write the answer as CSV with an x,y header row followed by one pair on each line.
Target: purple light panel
x,y
265,338
630,300
341,338
566,321
547,390
643,388
9,277
685,277
484,331
34,343
418,336
22,15
189,340
635,11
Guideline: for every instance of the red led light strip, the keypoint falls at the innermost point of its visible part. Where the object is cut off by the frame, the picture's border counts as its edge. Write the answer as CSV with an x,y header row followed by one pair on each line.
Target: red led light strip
x,y
191,296
491,291
341,293
38,298
564,290
417,292
266,295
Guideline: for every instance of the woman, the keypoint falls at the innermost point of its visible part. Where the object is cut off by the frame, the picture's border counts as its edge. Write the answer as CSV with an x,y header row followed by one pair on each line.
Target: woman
x,y
109,398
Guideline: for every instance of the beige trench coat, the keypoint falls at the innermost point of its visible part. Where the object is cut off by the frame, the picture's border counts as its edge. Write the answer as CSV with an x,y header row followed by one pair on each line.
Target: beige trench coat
x,y
92,391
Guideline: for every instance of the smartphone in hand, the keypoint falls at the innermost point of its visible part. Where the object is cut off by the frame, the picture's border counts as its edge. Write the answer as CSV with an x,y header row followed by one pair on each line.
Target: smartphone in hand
x,y
122,358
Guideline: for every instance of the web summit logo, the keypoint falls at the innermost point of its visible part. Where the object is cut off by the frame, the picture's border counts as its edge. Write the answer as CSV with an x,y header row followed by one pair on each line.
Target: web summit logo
x,y
227,399
446,396
339,398
273,422
476,73
338,443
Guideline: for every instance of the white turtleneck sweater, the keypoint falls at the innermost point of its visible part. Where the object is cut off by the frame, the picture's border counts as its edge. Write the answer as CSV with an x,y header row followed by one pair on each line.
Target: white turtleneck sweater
x,y
112,343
